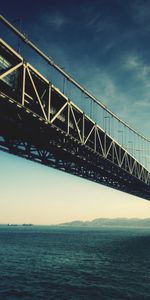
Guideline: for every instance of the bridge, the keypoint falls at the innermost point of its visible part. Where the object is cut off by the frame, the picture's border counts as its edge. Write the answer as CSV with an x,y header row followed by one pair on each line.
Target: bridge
x,y
78,135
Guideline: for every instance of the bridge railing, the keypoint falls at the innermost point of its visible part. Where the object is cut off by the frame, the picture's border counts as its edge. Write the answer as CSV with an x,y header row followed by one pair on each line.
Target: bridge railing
x,y
22,84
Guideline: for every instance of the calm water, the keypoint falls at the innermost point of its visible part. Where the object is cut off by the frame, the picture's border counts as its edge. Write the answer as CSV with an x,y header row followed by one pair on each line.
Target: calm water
x,y
65,263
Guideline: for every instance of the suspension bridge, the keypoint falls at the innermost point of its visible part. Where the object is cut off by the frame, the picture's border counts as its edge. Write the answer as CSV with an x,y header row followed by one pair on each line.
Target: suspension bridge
x,y
76,134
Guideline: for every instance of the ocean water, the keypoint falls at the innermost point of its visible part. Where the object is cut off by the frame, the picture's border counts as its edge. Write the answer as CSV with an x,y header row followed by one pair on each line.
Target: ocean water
x,y
74,263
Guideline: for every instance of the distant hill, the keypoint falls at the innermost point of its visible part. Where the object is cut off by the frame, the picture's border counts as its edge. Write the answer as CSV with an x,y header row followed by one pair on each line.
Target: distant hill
x,y
101,222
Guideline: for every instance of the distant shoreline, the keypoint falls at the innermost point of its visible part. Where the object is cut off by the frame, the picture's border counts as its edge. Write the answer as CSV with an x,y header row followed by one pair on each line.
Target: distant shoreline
x,y
96,223
116,222
18,224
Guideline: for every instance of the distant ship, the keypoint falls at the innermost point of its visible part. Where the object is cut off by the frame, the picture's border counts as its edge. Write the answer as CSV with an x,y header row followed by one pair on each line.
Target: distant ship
x,y
27,224
20,224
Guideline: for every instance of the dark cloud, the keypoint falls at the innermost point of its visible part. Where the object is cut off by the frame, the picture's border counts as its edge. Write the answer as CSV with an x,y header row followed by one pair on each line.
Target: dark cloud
x,y
104,44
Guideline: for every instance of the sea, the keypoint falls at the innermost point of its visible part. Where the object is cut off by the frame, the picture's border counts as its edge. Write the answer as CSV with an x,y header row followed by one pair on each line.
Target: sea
x,y
74,263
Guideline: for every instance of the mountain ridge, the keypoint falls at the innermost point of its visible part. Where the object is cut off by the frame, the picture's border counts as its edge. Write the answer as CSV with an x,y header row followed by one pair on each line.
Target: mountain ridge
x,y
100,222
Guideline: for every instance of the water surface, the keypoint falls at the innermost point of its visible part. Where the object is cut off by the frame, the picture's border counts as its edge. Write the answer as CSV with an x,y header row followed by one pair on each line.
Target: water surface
x,y
74,263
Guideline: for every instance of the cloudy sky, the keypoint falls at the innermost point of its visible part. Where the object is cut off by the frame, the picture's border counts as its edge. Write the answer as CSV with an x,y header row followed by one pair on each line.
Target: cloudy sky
x,y
105,46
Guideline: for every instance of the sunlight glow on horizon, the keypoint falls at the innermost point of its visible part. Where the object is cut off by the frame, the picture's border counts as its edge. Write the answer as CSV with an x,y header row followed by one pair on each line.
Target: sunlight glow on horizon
x,y
33,193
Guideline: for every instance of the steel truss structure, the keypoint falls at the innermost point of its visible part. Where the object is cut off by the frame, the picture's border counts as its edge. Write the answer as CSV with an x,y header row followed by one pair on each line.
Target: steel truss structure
x,y
40,123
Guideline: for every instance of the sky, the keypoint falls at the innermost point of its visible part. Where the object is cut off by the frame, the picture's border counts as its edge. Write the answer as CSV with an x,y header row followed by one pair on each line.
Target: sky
x,y
105,46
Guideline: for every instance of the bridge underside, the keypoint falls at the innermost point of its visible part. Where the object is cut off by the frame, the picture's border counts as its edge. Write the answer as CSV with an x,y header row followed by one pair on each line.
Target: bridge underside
x,y
24,136
39,123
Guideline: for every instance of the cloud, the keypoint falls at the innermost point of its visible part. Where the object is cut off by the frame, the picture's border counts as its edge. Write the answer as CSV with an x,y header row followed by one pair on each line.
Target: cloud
x,y
103,25
93,20
140,12
132,62
56,20
100,22
103,56
123,101
143,103
141,70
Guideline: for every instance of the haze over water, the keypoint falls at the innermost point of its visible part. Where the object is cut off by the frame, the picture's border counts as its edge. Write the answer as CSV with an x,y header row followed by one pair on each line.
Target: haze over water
x,y
42,262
